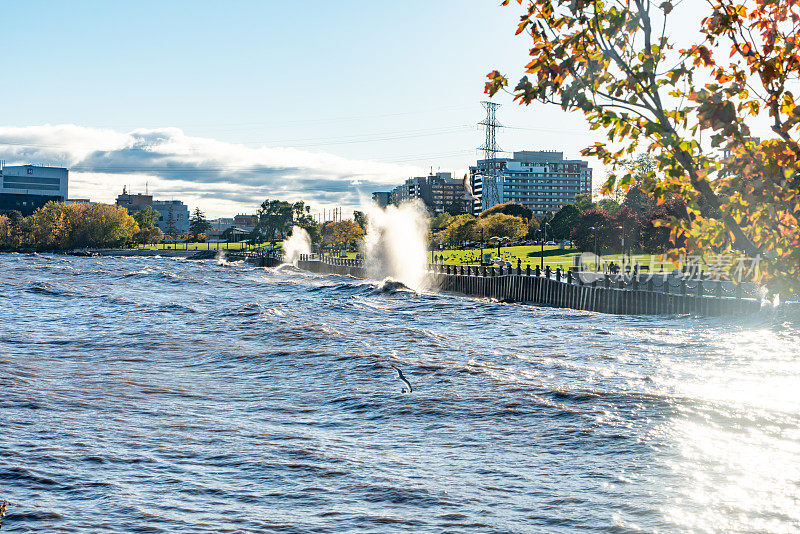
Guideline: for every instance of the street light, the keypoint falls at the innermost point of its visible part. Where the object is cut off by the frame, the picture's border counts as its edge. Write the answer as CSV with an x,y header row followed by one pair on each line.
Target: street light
x,y
481,262
499,242
596,260
622,261
543,231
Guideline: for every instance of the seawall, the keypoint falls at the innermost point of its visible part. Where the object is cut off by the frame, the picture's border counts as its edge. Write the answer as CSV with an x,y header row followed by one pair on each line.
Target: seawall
x,y
644,295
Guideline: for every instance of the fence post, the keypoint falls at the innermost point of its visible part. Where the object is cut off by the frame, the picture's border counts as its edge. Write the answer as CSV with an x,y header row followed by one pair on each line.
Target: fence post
x,y
700,293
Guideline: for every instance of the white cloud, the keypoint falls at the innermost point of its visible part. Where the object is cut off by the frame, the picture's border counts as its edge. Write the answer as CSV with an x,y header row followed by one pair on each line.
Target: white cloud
x,y
222,178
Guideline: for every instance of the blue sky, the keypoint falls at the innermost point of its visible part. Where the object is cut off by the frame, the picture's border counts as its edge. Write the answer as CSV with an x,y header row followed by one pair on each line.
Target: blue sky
x,y
246,100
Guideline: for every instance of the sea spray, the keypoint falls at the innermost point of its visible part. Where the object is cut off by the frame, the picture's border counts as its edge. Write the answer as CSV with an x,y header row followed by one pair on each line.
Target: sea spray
x,y
394,246
298,243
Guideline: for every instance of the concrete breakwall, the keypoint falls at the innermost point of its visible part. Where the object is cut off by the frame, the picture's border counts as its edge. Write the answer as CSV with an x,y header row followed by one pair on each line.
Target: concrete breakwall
x,y
621,295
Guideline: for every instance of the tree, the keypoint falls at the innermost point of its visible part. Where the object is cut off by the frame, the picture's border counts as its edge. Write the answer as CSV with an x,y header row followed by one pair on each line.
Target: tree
x,y
533,228
60,226
509,208
617,63
609,205
593,225
564,221
625,226
12,231
502,225
101,225
361,218
198,224
52,227
148,236
639,202
341,233
274,218
461,229
302,217
655,238
456,208
441,221
583,201
146,217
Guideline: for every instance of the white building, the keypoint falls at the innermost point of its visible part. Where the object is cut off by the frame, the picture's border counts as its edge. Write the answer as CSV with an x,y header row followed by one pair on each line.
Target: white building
x,y
542,180
173,216
26,188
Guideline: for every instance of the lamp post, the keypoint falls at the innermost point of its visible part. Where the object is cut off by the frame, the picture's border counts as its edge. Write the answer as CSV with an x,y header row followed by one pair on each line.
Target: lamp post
x,y
481,258
622,256
499,241
543,231
596,262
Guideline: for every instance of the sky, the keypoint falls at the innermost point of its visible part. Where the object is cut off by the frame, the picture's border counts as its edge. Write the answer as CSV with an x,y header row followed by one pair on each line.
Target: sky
x,y
225,104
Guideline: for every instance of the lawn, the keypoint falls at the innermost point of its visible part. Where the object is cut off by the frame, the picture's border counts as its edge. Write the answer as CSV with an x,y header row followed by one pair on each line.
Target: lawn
x,y
553,256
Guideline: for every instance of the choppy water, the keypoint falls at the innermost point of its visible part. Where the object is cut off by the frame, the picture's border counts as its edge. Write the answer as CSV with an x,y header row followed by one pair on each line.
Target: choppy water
x,y
156,395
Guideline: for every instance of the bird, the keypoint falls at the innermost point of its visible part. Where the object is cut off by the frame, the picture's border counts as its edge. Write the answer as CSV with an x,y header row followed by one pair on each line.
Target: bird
x,y
468,195
403,378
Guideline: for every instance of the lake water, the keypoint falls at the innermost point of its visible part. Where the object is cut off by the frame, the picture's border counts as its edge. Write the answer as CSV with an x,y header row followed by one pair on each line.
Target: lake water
x,y
162,395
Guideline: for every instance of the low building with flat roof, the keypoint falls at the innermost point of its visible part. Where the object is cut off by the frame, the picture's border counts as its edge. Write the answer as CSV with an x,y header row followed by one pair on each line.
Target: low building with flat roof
x,y
26,188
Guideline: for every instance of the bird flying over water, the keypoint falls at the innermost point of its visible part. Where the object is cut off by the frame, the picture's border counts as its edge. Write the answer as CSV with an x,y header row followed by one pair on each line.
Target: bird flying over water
x,y
403,378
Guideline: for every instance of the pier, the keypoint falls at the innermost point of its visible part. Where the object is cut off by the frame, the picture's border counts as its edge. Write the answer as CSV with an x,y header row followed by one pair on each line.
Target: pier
x,y
613,294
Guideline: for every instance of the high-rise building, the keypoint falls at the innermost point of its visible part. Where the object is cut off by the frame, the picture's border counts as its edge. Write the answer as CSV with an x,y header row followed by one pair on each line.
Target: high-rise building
x,y
382,198
438,192
542,180
26,188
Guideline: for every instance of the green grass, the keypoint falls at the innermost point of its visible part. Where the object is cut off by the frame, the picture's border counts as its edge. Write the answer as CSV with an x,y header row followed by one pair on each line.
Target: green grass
x,y
531,255
553,256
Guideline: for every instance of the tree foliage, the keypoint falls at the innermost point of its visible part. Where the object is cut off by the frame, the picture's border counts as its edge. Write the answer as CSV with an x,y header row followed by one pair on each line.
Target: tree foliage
x,y
440,221
564,221
341,233
461,229
198,225
146,217
275,219
617,63
502,225
514,209
60,226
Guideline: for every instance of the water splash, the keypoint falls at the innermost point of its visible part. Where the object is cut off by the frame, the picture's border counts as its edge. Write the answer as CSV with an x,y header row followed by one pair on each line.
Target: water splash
x,y
220,257
395,243
298,243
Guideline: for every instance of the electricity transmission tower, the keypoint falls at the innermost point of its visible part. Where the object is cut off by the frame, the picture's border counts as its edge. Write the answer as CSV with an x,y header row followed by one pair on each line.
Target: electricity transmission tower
x,y
492,189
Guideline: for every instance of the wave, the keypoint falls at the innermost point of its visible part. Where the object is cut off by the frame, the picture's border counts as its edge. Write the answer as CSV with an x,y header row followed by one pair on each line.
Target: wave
x,y
45,288
288,268
387,286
